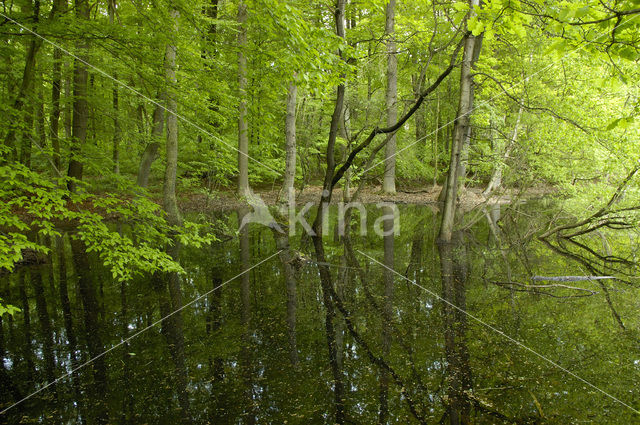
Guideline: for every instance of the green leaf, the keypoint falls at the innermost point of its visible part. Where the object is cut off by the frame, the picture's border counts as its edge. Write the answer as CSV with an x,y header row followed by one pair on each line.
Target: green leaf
x,y
613,124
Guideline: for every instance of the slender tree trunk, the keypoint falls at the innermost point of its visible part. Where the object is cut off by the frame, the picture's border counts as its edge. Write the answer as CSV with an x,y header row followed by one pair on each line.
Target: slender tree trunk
x,y
26,331
68,110
27,134
435,141
126,412
174,324
45,328
67,315
39,119
93,331
116,122
175,336
465,106
209,52
453,265
151,151
7,384
170,201
28,75
387,330
213,324
245,359
282,239
461,174
496,178
325,273
420,122
290,142
282,243
56,84
389,182
80,104
243,140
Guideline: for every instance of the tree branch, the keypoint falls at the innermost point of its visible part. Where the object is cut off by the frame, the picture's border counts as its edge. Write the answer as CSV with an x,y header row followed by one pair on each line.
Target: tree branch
x,y
531,108
349,161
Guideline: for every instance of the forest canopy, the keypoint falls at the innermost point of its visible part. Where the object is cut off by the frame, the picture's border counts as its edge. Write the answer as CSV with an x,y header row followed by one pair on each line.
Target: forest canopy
x,y
114,108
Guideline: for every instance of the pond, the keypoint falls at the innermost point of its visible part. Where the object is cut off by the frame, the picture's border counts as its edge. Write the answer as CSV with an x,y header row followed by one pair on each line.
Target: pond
x,y
412,332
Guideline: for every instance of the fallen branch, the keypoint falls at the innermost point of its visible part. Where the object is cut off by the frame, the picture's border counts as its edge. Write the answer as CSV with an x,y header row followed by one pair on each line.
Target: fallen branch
x,y
569,278
536,289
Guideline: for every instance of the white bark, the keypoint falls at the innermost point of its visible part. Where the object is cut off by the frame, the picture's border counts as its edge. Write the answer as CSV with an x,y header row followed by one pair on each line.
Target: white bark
x,y
496,178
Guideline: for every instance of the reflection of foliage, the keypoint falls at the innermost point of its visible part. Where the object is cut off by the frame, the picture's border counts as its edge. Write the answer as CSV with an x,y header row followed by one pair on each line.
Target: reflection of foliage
x,y
508,382
33,203
616,215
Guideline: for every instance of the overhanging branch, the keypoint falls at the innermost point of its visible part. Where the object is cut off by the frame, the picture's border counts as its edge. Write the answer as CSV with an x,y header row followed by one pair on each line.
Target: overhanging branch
x,y
362,145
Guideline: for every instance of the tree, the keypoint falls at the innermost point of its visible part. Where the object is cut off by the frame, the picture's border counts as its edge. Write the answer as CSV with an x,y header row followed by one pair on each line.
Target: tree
x,y
290,140
460,133
243,136
80,103
389,183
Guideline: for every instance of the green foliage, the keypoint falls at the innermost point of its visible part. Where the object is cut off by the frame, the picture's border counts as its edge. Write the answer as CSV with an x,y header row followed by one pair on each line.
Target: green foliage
x,y
33,203
8,309
572,64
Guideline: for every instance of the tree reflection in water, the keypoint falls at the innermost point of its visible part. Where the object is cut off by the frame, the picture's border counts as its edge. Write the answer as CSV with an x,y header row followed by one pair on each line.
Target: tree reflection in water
x,y
260,351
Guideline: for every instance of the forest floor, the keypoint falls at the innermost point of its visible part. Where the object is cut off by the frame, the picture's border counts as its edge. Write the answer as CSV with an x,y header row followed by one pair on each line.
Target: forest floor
x,y
469,198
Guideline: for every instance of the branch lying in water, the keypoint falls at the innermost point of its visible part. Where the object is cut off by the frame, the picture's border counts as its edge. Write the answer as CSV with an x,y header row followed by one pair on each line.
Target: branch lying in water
x,y
535,289
569,278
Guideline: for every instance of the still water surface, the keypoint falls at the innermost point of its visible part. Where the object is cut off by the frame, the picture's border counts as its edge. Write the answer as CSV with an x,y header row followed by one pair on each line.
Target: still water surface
x,y
257,350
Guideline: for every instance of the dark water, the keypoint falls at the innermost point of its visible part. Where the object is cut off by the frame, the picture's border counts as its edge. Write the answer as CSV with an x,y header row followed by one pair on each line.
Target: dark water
x,y
257,349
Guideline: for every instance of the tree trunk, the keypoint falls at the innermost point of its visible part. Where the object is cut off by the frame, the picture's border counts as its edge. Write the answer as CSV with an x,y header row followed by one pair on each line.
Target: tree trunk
x,y
151,151
421,128
170,202
453,264
116,122
435,141
93,332
243,140
325,273
174,324
56,84
464,156
282,239
387,307
245,357
496,178
465,107
80,104
28,75
26,330
213,324
290,142
68,110
389,182
25,149
39,119
45,328
287,259
67,315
